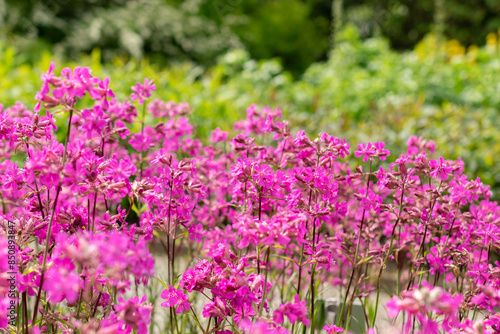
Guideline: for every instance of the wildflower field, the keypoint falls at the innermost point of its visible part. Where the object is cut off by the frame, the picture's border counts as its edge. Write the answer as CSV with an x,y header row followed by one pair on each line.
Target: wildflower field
x,y
252,228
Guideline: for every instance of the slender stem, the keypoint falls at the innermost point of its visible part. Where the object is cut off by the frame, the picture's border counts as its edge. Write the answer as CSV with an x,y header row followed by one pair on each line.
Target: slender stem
x,y
245,200
197,320
171,320
282,151
436,278
173,254
97,303
105,202
36,185
25,311
341,315
388,253
79,302
170,278
208,325
49,228
93,211
300,272
312,279
489,250
351,301
175,321
357,249
422,245
142,133
260,205
21,320
88,214
480,257
283,280
265,281
258,247
258,260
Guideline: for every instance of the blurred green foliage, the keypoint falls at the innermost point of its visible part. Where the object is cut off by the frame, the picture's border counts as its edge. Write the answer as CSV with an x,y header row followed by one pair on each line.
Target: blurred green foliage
x,y
364,92
285,29
120,28
297,31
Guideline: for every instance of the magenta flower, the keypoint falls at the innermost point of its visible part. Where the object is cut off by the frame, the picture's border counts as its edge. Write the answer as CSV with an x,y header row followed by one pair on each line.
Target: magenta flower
x,y
105,92
218,135
380,151
47,78
332,329
62,270
489,234
366,150
437,263
135,313
428,299
141,92
294,311
93,122
120,170
217,308
175,298
440,168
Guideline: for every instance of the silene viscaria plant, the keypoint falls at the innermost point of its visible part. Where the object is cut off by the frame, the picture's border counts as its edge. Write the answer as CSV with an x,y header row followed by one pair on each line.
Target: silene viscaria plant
x,y
115,218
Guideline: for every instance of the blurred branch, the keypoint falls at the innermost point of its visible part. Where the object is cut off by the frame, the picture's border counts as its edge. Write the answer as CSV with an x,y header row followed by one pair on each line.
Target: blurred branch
x,y
337,16
439,20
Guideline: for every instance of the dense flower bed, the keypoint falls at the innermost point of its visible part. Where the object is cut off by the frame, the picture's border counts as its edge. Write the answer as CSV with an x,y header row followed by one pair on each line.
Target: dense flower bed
x,y
271,217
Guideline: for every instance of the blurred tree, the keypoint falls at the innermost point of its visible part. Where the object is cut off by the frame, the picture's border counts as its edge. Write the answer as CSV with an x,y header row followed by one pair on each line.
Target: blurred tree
x,y
337,17
119,28
285,29
405,22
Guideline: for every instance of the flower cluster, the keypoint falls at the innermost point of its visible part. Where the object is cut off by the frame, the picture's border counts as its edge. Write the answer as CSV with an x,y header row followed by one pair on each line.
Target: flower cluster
x,y
245,232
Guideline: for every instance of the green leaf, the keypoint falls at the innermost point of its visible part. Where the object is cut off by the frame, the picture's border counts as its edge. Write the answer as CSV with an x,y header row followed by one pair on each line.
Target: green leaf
x,y
320,313
365,260
286,258
162,283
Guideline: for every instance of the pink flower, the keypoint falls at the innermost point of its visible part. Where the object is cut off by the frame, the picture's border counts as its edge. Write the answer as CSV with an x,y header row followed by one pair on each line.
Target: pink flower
x,y
93,122
218,135
175,298
47,78
366,150
440,168
120,170
142,92
217,309
380,151
294,311
436,262
333,329
105,92
489,234
135,313
62,270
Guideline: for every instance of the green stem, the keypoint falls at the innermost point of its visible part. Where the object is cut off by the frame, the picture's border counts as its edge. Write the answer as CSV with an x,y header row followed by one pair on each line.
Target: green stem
x,y
341,316
36,185
93,211
388,253
313,269
265,281
142,132
422,245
